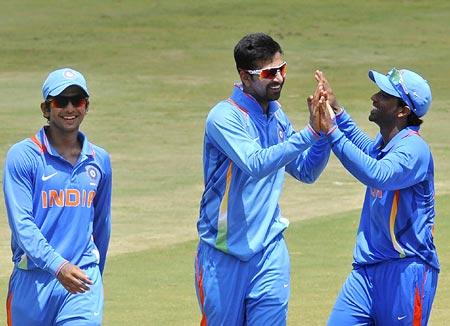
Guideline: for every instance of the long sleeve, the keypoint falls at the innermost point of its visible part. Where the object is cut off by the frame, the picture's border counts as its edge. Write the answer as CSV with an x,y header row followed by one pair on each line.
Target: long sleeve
x,y
102,214
352,132
401,167
226,129
17,187
308,166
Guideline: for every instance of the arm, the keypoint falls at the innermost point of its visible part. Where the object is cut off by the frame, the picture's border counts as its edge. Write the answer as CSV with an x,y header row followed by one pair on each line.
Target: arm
x,y
352,132
18,178
225,127
402,167
102,214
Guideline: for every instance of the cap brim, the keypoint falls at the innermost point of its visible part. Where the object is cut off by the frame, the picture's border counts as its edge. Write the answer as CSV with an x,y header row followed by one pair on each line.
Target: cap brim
x,y
61,88
383,83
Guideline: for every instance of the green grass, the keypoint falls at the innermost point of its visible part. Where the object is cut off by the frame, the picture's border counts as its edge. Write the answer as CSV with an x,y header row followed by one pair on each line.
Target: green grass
x,y
151,285
155,69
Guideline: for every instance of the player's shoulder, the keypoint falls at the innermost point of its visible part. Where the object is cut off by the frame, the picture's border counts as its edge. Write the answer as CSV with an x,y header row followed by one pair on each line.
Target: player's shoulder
x,y
415,141
226,110
100,153
24,148
23,155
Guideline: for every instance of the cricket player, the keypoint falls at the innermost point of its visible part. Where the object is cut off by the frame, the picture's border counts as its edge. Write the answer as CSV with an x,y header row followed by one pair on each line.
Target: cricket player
x,y
242,265
395,264
57,188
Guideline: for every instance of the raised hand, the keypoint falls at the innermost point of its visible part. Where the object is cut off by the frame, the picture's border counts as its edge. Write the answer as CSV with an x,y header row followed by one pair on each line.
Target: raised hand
x,y
313,106
321,79
327,115
74,279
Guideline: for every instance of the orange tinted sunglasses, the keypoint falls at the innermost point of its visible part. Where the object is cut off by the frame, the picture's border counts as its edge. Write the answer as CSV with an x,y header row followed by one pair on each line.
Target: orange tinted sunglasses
x,y
269,73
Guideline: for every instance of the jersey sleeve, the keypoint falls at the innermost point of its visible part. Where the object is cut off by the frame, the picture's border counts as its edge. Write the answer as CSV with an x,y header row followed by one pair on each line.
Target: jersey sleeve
x,y
308,166
102,213
225,127
18,176
404,166
352,132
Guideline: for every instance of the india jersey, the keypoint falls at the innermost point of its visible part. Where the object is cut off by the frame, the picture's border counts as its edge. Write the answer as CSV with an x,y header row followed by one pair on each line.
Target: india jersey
x,y
57,211
245,156
397,219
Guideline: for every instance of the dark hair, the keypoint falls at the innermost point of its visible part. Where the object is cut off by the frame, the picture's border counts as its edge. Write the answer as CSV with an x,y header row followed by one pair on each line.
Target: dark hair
x,y
254,49
412,119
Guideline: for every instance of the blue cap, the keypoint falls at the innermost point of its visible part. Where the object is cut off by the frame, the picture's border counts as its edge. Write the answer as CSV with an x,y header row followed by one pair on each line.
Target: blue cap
x,y
407,85
58,80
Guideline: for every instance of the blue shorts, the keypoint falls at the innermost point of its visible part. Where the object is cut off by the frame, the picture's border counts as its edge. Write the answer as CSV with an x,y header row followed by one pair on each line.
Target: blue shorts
x,y
398,292
36,298
235,292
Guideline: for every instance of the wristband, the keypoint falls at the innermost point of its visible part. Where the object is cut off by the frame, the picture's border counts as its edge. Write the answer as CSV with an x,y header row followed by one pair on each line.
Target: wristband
x,y
60,267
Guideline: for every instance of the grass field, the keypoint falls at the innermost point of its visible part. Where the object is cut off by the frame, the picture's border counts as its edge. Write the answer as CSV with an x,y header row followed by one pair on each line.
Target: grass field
x,y
156,67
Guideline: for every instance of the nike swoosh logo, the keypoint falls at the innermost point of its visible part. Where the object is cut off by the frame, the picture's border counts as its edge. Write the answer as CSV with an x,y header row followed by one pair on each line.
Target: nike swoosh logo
x,y
45,178
402,317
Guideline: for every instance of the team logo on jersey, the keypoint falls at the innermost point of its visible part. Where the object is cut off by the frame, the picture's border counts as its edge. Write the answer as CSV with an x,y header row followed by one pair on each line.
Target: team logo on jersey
x,y
92,172
281,134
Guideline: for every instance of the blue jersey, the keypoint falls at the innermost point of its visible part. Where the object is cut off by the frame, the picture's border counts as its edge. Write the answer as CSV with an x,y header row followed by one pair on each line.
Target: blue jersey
x,y
245,155
397,218
57,211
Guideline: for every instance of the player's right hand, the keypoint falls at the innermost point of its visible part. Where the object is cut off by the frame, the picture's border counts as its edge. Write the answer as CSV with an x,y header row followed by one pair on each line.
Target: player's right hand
x,y
321,79
74,279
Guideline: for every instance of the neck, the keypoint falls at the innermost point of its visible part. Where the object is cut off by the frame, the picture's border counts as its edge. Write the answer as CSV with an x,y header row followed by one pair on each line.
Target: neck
x,y
263,103
390,132
62,139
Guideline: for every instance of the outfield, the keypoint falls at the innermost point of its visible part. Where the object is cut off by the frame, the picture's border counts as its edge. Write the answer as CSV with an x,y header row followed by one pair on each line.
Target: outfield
x,y
154,70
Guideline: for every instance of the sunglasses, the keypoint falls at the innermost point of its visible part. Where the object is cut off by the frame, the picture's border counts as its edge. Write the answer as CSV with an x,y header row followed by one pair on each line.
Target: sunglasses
x,y
396,79
269,73
62,101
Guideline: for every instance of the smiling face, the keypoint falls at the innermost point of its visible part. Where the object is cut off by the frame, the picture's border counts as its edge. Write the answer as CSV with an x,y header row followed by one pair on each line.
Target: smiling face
x,y
386,109
66,111
264,90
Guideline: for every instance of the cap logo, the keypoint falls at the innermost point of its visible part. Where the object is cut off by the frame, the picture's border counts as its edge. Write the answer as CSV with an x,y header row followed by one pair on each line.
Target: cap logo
x,y
69,74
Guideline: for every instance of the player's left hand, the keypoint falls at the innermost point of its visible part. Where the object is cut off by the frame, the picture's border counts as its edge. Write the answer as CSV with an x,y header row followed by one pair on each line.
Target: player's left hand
x,y
74,279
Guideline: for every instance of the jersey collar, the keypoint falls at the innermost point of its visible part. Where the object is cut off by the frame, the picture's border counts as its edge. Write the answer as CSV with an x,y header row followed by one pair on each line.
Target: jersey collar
x,y
249,103
408,131
41,140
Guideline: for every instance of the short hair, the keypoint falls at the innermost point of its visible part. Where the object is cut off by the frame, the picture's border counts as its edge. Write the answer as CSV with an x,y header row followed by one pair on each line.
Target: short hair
x,y
253,49
412,119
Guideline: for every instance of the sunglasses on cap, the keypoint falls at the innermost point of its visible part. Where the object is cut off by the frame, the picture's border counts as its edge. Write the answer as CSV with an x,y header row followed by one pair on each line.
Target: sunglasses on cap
x,y
396,79
62,101
269,73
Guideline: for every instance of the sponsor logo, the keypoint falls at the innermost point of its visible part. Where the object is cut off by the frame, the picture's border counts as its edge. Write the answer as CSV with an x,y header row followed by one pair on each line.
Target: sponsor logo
x,y
47,177
401,317
376,193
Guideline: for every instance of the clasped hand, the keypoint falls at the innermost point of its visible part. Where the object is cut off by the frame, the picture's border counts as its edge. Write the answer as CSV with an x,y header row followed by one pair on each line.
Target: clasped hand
x,y
322,105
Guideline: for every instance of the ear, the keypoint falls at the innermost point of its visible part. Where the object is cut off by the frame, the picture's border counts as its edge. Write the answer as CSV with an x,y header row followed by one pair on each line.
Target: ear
x,y
246,78
45,108
404,112
87,105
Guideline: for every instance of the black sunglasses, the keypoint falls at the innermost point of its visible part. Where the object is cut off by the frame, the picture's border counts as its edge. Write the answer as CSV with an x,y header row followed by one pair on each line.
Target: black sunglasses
x,y
62,101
